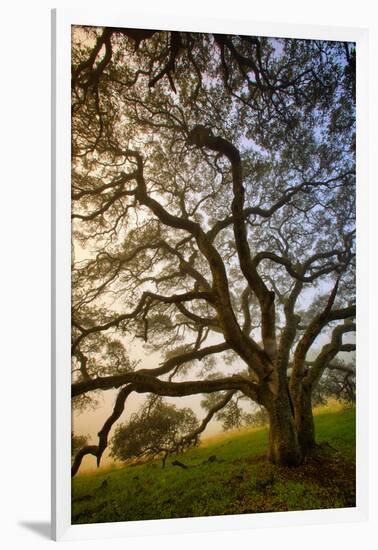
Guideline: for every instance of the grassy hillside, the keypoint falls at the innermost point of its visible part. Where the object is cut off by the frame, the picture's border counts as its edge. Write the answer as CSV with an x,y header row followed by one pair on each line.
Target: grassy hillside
x,y
226,475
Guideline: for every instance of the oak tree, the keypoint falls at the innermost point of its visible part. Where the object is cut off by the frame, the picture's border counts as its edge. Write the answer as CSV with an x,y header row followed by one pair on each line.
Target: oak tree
x,y
213,211
157,430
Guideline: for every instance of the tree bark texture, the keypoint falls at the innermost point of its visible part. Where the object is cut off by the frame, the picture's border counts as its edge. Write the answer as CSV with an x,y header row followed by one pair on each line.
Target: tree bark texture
x,y
304,419
284,445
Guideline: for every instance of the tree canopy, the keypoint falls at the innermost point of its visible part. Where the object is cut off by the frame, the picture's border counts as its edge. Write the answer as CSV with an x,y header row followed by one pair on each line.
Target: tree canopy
x,y
158,429
213,208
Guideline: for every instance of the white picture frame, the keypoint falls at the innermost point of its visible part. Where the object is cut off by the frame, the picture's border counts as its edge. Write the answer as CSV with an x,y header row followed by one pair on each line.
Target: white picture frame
x,y
61,274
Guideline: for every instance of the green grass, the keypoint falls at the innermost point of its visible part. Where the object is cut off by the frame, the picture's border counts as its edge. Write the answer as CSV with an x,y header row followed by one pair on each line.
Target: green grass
x,y
240,480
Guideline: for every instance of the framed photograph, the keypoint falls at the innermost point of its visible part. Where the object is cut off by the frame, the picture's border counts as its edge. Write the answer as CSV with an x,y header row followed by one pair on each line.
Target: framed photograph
x,y
209,235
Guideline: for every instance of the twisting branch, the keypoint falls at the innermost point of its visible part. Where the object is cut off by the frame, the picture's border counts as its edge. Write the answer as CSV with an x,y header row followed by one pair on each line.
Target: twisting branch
x,y
247,348
106,205
169,68
117,411
83,360
286,198
317,324
290,268
94,74
118,181
347,347
113,323
245,297
328,352
203,137
146,383
196,354
88,65
184,442
187,266
198,320
87,450
193,436
290,329
145,301
98,450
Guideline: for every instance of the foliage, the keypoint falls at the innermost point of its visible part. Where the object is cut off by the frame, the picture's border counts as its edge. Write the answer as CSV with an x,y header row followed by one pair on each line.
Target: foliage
x,y
158,428
213,181
77,443
232,415
339,382
257,418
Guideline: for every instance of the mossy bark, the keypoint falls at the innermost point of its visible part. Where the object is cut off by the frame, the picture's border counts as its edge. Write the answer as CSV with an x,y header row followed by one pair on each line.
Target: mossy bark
x,y
304,420
284,446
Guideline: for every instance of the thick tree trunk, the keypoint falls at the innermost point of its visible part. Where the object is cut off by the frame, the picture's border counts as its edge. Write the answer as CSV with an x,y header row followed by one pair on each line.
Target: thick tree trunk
x,y
284,447
304,419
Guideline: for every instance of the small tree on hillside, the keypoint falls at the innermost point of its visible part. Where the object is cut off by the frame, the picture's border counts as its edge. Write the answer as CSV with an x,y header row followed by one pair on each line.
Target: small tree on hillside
x,y
158,429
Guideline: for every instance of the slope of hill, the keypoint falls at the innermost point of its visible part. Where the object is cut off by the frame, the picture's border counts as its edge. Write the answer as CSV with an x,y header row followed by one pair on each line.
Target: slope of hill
x,y
226,475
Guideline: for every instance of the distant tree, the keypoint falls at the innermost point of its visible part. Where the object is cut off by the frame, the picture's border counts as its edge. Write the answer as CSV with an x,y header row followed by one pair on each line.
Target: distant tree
x,y
158,429
236,412
257,418
231,414
338,382
77,443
